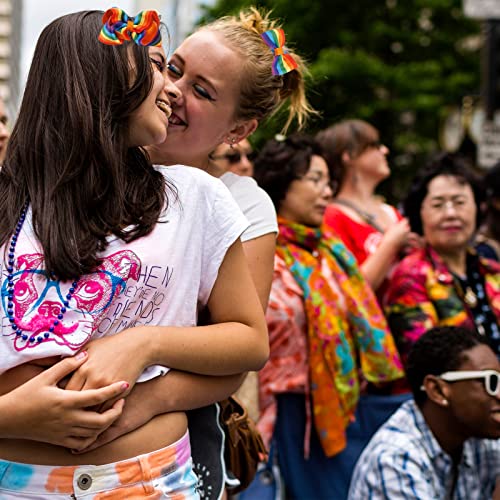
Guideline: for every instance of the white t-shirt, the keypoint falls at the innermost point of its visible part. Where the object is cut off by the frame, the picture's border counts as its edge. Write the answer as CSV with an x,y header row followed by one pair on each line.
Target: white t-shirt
x,y
160,279
254,202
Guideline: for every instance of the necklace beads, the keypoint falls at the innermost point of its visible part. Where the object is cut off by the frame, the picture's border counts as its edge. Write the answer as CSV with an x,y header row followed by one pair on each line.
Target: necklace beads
x,y
10,291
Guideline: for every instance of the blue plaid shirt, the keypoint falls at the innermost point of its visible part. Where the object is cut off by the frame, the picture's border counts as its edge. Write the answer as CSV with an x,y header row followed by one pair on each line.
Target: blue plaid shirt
x,y
404,461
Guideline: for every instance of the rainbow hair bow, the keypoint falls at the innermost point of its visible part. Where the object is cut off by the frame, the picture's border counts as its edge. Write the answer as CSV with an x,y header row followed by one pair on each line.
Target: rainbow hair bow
x,y
143,29
283,62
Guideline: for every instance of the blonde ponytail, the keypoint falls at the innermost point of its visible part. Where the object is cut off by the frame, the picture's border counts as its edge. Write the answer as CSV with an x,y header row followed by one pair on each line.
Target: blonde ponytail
x,y
262,94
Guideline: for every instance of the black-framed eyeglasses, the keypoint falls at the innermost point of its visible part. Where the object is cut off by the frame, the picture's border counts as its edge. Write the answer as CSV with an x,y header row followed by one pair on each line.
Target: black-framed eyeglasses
x,y
235,156
491,379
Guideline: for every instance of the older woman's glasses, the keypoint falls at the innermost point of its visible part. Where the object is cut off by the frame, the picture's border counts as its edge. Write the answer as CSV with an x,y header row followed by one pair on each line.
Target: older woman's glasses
x,y
442,204
320,183
490,378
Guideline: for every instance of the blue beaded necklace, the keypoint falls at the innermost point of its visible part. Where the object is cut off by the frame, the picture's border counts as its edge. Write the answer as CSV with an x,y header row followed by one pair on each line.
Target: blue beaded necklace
x,y
10,290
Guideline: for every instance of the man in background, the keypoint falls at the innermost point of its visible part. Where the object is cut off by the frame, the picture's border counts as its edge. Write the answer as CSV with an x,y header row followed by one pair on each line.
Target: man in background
x,y
445,443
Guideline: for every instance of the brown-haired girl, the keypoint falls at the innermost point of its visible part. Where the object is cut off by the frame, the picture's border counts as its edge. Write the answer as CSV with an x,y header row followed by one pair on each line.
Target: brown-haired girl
x,y
98,242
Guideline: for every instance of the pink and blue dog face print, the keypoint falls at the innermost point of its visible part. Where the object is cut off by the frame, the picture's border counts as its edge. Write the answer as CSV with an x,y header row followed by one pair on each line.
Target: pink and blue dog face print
x,y
38,300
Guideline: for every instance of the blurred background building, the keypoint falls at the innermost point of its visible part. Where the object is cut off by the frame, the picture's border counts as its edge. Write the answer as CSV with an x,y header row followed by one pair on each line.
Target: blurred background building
x,y
10,52
179,15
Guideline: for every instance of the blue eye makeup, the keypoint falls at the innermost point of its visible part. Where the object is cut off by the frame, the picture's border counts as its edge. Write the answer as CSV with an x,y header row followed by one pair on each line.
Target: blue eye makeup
x,y
203,93
176,72
173,69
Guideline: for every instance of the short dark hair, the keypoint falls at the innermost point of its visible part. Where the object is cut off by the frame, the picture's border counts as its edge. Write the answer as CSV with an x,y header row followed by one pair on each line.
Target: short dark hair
x,y
68,154
439,350
282,161
452,164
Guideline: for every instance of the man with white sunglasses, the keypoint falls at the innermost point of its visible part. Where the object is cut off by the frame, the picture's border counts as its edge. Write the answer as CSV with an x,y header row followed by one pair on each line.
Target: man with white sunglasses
x,y
445,443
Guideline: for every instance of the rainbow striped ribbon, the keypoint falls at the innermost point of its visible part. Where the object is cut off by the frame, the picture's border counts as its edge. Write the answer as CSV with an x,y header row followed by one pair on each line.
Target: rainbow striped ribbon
x,y
283,62
143,29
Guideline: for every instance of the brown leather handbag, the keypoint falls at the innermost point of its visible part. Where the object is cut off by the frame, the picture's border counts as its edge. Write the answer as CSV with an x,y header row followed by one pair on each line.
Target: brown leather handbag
x,y
244,446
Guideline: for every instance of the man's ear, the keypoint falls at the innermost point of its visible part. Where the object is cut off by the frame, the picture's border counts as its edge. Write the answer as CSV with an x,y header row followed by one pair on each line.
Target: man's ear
x,y
437,391
241,131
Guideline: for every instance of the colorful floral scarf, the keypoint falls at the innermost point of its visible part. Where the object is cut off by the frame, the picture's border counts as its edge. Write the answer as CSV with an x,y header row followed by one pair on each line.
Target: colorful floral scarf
x,y
334,350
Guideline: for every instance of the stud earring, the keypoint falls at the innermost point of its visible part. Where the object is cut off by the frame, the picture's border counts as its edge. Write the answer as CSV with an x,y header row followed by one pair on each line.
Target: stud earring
x,y
444,402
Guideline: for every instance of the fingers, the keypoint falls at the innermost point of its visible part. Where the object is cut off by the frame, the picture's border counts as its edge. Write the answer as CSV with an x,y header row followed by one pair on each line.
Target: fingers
x,y
404,224
111,415
79,439
106,437
106,432
100,421
76,382
404,227
77,443
63,368
84,432
95,397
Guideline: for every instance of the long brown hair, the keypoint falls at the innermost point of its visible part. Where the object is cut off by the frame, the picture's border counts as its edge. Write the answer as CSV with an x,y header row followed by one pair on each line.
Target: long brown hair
x,y
68,154
351,136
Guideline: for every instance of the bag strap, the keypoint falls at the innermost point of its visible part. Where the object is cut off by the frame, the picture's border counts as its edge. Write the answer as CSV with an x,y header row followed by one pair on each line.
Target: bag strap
x,y
368,218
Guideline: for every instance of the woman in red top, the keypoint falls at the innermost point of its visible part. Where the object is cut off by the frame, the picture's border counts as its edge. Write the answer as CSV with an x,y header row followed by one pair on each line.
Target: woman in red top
x,y
374,231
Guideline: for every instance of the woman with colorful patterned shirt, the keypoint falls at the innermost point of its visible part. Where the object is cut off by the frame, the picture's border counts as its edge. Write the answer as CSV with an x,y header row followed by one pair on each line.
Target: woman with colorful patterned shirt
x,y
327,333
445,283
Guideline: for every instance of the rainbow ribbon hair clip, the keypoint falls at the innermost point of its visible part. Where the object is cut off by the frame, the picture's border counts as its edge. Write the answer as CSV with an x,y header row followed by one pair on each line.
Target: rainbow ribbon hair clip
x,y
143,29
283,62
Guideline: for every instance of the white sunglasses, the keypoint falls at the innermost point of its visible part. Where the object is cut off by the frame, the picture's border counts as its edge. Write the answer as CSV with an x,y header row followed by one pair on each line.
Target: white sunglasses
x,y
491,379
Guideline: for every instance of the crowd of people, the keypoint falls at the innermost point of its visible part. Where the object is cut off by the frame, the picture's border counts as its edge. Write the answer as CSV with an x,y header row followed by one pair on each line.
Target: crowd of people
x,y
154,264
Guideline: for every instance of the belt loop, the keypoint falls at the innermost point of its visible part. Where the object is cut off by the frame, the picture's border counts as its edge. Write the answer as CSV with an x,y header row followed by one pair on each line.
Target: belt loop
x,y
147,479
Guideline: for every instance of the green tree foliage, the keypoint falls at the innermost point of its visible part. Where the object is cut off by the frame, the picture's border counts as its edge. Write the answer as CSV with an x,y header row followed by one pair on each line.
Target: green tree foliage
x,y
395,63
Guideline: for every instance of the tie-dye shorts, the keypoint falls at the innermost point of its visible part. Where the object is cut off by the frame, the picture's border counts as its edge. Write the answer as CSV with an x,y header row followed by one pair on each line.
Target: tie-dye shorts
x,y
162,474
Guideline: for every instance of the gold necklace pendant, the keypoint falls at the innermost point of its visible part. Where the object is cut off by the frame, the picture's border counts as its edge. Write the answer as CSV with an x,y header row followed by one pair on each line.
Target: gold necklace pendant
x,y
470,297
